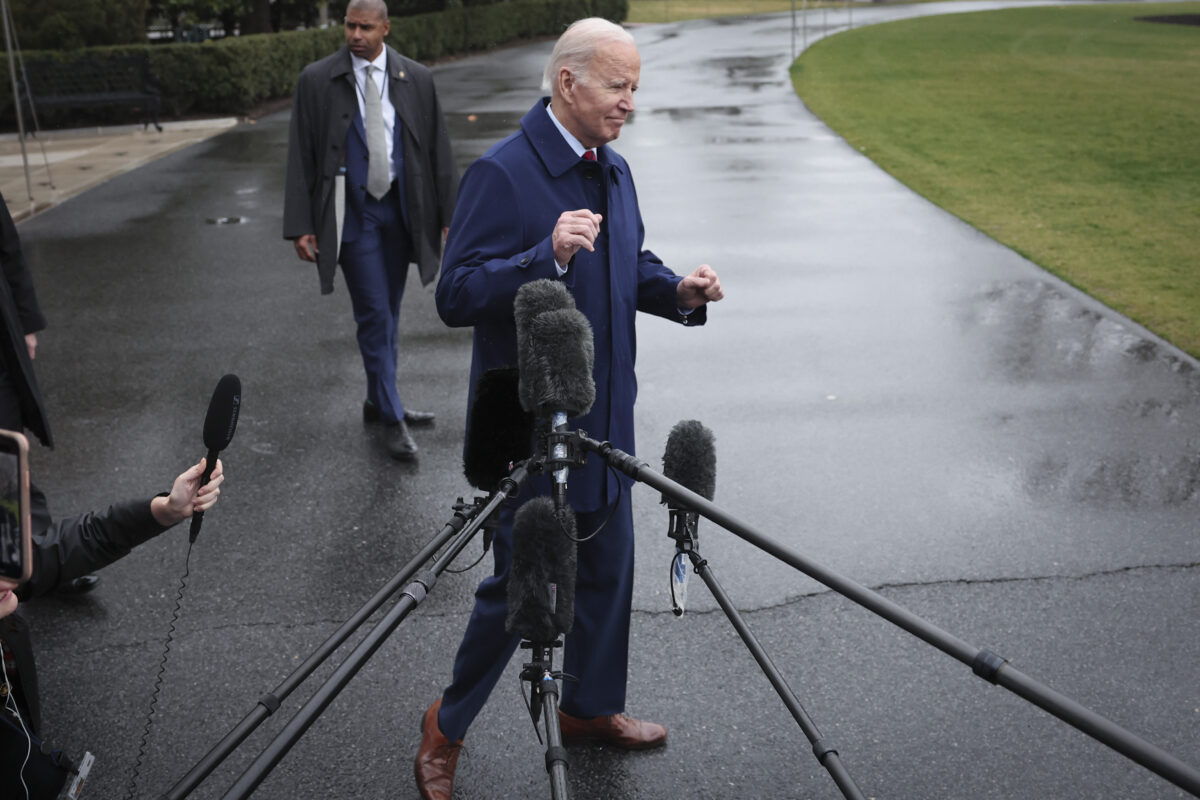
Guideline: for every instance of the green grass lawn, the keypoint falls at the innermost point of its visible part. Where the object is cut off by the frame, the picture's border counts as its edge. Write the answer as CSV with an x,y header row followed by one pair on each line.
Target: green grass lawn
x,y
676,10
1071,134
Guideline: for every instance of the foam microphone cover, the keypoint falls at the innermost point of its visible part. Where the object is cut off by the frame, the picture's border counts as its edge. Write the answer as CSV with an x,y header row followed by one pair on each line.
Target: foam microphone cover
x,y
535,297
556,373
500,432
221,420
542,555
690,458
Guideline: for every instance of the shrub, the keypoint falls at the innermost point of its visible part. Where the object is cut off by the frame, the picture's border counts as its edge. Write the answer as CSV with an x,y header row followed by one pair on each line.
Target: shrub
x,y
232,76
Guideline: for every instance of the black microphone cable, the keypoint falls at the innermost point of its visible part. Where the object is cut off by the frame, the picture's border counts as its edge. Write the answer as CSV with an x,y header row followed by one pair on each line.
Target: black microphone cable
x,y
135,771
220,422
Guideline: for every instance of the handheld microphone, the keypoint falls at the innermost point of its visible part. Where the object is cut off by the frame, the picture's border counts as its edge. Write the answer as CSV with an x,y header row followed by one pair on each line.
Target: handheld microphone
x,y
690,460
499,432
219,424
541,581
555,354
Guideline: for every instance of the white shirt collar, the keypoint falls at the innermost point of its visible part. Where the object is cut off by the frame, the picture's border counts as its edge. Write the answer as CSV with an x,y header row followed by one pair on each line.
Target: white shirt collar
x,y
380,61
576,145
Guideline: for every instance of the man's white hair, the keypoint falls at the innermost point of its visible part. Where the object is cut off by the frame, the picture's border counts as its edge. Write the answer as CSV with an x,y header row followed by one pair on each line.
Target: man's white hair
x,y
575,48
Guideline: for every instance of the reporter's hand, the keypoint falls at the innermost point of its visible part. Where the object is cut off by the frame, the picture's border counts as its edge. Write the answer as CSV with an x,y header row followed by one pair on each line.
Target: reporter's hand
x,y
187,496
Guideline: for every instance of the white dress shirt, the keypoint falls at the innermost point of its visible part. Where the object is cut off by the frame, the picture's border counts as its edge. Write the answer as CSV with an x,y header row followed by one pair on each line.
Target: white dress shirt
x,y
380,77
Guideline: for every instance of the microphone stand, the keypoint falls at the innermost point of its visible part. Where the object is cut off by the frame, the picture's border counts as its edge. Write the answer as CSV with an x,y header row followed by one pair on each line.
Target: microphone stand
x,y
467,519
686,536
543,699
984,663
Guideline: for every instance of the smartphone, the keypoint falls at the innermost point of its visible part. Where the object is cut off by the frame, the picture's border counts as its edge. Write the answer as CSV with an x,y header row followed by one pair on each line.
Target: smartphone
x,y
16,538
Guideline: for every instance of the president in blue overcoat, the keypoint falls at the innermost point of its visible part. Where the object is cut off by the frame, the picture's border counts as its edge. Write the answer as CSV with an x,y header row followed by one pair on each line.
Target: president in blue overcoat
x,y
553,201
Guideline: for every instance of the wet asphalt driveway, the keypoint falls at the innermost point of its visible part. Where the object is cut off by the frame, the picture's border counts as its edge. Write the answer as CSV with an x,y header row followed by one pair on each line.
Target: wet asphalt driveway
x,y
892,393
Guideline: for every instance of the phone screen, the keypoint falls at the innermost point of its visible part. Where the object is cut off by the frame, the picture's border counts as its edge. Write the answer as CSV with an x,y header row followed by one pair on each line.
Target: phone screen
x,y
16,552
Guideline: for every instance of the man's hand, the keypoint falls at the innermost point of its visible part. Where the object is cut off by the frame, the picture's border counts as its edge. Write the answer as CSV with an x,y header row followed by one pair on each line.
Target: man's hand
x,y
31,345
187,496
306,246
702,286
574,229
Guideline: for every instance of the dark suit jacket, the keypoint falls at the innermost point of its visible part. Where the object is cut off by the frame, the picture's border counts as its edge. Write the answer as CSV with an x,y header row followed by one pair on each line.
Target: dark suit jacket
x,y
500,239
22,315
323,111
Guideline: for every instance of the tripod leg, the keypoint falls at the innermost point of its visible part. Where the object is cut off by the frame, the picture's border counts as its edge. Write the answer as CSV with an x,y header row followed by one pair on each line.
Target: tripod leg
x,y
556,754
825,753
543,697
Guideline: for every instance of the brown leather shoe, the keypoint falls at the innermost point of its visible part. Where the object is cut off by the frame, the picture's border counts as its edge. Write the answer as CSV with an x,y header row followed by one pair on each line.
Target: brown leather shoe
x,y
437,758
617,730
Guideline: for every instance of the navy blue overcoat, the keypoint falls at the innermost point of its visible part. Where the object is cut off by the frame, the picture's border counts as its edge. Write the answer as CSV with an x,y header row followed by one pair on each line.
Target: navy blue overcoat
x,y
508,204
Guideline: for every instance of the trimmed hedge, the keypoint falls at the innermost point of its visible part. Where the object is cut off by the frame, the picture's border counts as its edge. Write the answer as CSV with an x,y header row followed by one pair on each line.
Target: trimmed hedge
x,y
232,76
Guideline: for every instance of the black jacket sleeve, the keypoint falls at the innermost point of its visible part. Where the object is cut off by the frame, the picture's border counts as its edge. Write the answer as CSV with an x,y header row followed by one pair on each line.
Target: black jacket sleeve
x,y
76,546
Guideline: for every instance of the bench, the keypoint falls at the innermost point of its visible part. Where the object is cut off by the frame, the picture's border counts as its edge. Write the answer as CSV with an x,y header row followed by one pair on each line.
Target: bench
x,y
91,82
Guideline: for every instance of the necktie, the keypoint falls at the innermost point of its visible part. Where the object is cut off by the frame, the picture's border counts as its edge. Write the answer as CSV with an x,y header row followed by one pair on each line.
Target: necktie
x,y
378,181
589,155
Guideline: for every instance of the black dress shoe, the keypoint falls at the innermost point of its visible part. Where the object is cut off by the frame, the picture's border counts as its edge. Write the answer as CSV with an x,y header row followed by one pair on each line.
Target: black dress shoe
x,y
81,585
419,417
370,413
400,443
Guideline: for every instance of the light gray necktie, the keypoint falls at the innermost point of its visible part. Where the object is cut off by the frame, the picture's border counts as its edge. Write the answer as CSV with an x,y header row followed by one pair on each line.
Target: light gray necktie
x,y
378,181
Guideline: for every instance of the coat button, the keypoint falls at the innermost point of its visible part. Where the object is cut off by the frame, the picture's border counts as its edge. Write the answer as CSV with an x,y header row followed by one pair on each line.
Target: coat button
x,y
524,261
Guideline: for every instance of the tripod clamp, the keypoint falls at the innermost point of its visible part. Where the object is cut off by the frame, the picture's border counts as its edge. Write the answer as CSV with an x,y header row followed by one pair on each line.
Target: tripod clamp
x,y
541,676
468,511
563,449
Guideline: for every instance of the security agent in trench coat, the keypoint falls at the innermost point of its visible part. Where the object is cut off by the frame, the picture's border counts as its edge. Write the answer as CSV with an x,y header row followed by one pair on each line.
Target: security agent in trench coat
x,y
327,135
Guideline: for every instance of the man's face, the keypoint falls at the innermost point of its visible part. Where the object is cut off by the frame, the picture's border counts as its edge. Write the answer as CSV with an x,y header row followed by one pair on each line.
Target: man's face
x,y
365,33
596,110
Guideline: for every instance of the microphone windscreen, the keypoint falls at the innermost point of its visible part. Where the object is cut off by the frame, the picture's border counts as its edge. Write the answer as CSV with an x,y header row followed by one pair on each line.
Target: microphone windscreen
x,y
690,458
499,431
221,420
543,557
556,364
532,300
537,296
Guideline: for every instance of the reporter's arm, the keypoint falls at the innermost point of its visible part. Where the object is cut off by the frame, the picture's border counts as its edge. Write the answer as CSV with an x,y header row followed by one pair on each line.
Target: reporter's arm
x,y
76,546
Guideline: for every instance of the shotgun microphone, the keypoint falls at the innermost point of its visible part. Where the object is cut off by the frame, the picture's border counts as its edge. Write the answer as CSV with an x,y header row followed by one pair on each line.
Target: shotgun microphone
x,y
499,431
219,424
690,460
541,580
555,354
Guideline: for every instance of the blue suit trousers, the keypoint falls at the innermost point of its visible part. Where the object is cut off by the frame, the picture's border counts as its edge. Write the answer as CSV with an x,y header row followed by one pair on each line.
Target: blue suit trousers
x,y
596,652
375,266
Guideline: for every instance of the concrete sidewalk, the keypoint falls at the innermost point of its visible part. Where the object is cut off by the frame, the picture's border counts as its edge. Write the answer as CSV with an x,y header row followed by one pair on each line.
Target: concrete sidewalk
x,y
65,163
